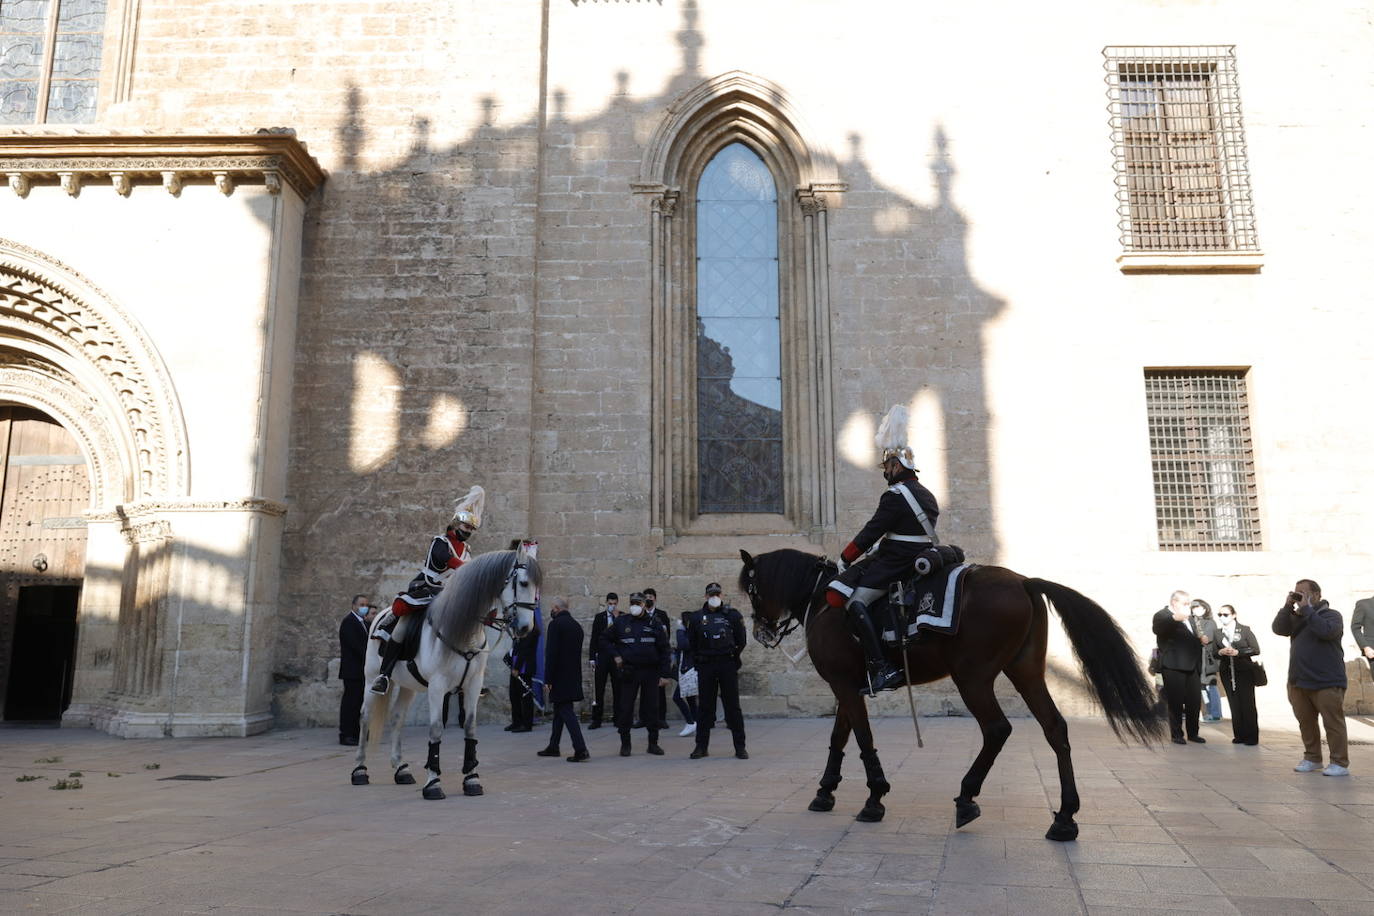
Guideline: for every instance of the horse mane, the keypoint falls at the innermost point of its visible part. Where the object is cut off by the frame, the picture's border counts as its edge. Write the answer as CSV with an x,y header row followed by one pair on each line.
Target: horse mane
x,y
460,608
789,574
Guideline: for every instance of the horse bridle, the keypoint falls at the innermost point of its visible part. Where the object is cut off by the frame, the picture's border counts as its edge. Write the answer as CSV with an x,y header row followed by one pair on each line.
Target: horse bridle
x,y
503,623
777,632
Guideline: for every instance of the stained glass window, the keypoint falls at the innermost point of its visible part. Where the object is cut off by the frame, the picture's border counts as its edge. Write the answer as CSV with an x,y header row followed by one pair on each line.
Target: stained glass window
x,y
739,352
50,54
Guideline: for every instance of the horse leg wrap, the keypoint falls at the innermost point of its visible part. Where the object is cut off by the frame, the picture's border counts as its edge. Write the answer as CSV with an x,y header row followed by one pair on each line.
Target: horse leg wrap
x,y
877,782
432,761
469,755
831,777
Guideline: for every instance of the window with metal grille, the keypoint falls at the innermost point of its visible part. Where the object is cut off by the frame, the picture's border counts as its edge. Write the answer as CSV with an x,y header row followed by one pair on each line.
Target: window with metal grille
x,y
50,53
1182,175
1203,460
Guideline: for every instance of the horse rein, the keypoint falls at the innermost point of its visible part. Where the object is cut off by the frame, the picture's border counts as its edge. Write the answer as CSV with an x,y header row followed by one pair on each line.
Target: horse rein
x,y
787,626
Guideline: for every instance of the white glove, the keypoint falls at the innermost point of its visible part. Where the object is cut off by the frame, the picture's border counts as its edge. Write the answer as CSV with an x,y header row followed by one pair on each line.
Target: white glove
x,y
842,565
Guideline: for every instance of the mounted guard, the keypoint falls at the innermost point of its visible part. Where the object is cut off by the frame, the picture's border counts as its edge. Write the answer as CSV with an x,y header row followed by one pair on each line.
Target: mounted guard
x,y
901,528
447,552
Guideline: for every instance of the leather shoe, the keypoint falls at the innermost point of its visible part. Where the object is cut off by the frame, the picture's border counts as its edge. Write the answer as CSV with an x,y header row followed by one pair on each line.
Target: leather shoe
x,y
1197,739
349,742
509,728
624,750
1178,740
655,750
698,753
521,729
741,753
549,752
593,725
580,757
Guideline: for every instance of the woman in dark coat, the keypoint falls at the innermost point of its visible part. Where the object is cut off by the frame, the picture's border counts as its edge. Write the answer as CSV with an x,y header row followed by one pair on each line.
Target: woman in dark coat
x,y
563,675
1237,649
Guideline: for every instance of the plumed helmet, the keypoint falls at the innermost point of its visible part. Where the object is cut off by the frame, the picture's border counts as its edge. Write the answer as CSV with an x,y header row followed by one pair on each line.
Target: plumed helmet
x,y
891,438
469,509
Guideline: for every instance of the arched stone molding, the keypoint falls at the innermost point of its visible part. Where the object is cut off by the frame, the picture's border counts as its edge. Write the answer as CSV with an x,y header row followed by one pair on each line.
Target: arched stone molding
x,y
741,107
50,315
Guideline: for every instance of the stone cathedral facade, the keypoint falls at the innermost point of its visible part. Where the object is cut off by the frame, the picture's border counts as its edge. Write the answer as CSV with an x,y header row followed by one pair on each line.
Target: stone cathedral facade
x,y
280,281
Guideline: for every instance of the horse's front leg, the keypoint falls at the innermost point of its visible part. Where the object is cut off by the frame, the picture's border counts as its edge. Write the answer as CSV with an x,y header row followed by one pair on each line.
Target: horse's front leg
x,y
401,708
438,689
853,708
839,737
472,783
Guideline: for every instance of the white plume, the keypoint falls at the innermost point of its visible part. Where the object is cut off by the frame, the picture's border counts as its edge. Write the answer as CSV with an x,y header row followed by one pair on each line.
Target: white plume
x,y
892,431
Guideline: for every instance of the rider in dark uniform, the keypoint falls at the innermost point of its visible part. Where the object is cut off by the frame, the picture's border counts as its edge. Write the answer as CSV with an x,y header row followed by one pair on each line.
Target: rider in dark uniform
x,y
903,526
447,552
639,648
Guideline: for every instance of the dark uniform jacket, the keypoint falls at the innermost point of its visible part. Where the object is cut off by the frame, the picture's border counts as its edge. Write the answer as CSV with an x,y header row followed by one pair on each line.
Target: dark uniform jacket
x,y
696,633
352,647
1179,646
563,659
894,516
639,642
1314,657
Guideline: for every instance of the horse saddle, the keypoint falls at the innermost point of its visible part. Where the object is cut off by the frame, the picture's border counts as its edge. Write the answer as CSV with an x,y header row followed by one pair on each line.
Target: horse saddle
x,y
928,600
408,631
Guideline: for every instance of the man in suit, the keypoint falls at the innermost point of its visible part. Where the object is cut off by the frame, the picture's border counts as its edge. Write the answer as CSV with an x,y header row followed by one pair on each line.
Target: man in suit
x,y
352,650
601,664
1362,628
662,619
1181,645
563,676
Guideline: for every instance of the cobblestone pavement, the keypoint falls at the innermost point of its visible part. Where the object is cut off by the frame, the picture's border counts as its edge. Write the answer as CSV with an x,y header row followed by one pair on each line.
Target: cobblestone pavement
x,y
1216,828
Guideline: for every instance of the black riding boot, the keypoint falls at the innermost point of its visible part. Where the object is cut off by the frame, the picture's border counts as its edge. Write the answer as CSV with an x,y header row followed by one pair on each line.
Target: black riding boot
x,y
391,649
882,674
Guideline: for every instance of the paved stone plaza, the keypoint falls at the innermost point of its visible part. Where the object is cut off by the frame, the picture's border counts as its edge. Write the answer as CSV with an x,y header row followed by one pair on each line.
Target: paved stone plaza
x,y
1217,829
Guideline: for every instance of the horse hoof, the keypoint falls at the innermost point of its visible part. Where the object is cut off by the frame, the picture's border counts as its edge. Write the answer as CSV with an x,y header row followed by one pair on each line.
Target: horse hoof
x,y
472,789
821,803
404,778
1062,831
965,812
871,813
359,778
433,793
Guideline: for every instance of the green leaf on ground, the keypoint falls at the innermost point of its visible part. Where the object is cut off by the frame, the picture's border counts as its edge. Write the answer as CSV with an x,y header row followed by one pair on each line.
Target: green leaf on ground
x,y
115,775
48,760
76,773
152,766
27,778
66,784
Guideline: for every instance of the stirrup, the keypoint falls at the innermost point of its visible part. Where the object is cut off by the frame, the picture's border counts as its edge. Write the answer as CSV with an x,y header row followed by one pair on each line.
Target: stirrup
x,y
382,684
880,680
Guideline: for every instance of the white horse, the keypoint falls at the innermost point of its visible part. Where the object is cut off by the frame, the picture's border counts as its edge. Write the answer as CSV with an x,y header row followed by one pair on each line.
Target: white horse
x,y
485,597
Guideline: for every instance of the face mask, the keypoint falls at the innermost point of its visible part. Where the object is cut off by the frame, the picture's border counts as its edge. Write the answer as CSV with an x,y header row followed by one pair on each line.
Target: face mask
x,y
362,611
648,602
713,601
460,534
636,610
1197,612
610,608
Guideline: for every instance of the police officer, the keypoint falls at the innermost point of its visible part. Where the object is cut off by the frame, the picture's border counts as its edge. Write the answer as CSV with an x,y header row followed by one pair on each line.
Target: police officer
x,y
662,619
639,650
601,663
902,527
717,637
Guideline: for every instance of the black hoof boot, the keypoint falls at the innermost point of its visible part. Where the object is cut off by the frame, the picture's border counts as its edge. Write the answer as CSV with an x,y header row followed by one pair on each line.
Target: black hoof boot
x,y
965,812
403,776
1062,830
433,791
472,788
359,777
872,812
822,803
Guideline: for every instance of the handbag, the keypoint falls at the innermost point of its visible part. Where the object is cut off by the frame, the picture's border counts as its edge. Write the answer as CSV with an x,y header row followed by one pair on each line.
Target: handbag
x,y
687,684
1153,667
1261,675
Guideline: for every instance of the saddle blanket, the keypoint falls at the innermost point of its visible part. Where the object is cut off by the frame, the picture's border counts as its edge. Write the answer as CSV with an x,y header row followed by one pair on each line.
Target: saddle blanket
x,y
932,602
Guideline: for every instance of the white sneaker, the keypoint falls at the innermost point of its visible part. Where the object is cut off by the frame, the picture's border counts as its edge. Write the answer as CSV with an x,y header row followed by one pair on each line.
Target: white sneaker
x,y
1336,769
689,729
1307,766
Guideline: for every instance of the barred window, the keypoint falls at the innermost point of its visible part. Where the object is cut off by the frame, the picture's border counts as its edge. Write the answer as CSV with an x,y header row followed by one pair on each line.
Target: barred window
x,y
50,52
1183,180
1203,460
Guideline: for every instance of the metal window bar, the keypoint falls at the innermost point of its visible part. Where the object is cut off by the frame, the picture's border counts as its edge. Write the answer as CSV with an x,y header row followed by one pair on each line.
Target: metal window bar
x,y
1178,140
1203,460
50,55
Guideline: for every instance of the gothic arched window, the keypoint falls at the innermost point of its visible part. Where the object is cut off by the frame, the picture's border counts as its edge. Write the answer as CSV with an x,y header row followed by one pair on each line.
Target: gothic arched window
x,y
739,348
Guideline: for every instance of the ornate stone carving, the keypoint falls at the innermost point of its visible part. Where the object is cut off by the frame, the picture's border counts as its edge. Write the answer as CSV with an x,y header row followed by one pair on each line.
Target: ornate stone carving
x,y
811,202
155,531
666,203
45,301
19,183
225,182
70,182
121,183
171,180
273,182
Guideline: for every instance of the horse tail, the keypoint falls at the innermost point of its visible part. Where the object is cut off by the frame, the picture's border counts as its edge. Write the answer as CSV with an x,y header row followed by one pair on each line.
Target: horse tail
x,y
376,719
1108,660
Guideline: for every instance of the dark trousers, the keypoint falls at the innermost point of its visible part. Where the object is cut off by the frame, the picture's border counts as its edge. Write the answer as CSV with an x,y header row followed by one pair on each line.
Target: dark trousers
x,y
1183,694
564,717
605,670
644,683
718,676
521,705
1241,698
662,708
685,705
351,708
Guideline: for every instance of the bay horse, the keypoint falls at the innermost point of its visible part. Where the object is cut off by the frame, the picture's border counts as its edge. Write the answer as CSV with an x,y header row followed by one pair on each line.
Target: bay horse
x,y
493,593
1003,627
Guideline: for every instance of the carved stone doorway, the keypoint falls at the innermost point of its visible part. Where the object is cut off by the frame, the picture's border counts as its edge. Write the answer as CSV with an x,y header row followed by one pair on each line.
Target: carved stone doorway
x,y
44,495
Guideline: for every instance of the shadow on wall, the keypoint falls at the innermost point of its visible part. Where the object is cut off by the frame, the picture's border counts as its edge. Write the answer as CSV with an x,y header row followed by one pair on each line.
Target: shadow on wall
x,y
423,355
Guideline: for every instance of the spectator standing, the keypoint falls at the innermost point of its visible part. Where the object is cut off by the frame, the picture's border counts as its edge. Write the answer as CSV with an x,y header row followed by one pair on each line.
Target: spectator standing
x,y
1206,624
662,619
1316,675
600,659
639,649
1238,653
717,638
352,651
1362,628
1180,665
523,662
682,663
563,675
